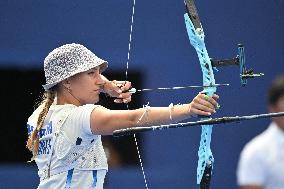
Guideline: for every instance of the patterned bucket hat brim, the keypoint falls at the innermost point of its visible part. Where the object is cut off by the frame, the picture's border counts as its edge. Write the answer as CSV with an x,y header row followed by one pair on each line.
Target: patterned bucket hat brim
x,y
69,60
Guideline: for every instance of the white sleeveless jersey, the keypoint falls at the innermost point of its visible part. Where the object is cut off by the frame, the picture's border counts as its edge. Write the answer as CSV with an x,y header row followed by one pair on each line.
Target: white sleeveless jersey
x,y
69,155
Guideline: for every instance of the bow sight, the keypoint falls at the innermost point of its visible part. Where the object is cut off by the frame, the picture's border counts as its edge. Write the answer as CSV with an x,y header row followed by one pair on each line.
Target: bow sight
x,y
238,61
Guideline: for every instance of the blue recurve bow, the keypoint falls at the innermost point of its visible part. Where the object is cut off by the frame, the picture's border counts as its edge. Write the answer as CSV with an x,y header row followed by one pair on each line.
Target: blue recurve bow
x,y
196,36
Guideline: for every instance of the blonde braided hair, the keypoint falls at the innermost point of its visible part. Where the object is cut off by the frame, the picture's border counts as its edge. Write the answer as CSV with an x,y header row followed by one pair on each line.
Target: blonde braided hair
x,y
33,140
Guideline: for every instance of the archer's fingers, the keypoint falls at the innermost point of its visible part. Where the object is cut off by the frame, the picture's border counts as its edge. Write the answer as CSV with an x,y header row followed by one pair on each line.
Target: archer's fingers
x,y
203,108
204,101
126,86
115,87
212,100
195,111
122,86
125,95
124,100
118,100
215,97
127,100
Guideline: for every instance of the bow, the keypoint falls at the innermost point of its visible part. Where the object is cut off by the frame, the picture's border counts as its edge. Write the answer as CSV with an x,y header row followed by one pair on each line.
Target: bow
x,y
196,37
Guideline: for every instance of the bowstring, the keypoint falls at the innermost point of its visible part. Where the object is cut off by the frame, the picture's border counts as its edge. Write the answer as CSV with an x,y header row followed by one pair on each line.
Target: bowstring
x,y
126,77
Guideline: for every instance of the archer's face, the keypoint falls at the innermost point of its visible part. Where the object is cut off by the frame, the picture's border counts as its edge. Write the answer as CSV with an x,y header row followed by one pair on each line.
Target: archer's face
x,y
86,86
279,107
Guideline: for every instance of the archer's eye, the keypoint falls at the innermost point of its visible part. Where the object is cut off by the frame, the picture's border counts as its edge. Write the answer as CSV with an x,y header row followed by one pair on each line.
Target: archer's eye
x,y
91,72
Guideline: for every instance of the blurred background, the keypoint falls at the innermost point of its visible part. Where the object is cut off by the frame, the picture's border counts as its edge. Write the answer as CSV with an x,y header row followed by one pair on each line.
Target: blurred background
x,y
161,56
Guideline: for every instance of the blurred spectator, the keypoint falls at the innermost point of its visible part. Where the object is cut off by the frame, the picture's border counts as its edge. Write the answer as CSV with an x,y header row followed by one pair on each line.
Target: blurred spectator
x,y
261,162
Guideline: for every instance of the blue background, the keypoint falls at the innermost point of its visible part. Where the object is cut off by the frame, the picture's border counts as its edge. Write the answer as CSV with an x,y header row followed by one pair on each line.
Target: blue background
x,y
161,52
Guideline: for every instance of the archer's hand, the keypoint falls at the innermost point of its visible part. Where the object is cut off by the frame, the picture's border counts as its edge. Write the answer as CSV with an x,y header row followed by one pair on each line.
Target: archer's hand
x,y
117,89
204,105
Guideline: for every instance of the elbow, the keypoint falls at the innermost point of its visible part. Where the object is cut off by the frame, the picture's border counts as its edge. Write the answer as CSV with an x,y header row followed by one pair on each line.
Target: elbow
x,y
101,130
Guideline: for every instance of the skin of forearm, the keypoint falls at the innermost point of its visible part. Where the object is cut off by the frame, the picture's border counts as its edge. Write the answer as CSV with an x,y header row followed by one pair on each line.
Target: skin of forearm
x,y
121,119
161,115
143,117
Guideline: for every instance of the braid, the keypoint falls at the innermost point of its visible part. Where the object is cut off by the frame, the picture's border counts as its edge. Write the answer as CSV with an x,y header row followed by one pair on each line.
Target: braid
x,y
33,140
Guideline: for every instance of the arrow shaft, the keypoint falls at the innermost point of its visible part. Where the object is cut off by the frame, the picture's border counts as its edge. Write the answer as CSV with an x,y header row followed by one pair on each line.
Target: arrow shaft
x,y
133,90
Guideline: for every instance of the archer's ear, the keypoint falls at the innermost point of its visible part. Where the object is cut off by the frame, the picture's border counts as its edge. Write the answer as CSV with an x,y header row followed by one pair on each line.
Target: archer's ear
x,y
66,83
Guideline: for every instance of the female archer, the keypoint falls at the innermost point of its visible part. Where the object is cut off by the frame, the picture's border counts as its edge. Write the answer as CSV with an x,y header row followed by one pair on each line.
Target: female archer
x,y
65,130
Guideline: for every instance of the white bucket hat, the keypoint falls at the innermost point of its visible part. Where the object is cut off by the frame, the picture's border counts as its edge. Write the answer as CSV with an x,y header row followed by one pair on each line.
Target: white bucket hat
x,y
68,60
